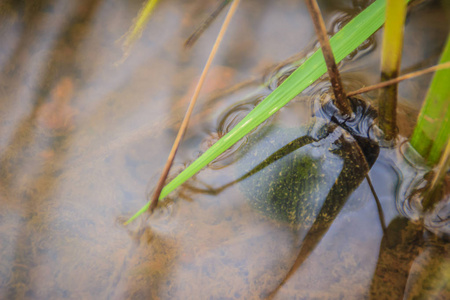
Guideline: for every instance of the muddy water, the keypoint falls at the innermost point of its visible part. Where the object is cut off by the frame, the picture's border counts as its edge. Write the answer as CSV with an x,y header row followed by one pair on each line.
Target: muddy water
x,y
82,140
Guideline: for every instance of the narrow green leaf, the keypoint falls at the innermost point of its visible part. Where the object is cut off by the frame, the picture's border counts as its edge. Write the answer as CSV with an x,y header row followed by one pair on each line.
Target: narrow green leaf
x,y
432,130
342,43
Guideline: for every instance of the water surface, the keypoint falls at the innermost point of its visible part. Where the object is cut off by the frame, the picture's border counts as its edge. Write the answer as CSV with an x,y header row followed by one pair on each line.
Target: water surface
x,y
82,141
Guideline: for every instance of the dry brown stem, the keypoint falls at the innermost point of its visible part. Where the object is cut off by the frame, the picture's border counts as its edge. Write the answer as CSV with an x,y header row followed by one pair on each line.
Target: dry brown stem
x,y
341,99
398,79
184,124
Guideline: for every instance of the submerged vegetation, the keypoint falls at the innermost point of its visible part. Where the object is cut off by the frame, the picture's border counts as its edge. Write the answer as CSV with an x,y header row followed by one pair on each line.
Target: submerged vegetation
x,y
304,186
343,43
138,26
307,186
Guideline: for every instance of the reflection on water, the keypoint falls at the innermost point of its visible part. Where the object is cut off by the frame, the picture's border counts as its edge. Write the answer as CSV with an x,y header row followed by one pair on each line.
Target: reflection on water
x,y
81,140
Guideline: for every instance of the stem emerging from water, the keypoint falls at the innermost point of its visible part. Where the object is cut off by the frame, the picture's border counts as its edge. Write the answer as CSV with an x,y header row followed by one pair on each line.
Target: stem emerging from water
x,y
341,99
390,64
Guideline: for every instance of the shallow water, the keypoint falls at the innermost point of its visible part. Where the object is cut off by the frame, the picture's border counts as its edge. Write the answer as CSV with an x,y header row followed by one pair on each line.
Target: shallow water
x,y
82,141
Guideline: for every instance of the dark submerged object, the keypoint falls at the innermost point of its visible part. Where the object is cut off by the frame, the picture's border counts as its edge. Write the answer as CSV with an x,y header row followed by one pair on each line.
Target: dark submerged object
x,y
305,175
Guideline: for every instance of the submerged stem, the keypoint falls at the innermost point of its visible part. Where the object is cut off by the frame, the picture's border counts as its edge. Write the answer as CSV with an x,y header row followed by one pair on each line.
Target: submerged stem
x,y
378,203
136,29
335,78
205,24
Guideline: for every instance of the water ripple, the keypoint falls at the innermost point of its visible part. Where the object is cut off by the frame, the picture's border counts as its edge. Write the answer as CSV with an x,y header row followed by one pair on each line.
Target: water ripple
x,y
227,121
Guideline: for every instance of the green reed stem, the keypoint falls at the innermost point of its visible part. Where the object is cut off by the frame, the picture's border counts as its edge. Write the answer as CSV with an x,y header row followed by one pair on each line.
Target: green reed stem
x,y
390,65
432,131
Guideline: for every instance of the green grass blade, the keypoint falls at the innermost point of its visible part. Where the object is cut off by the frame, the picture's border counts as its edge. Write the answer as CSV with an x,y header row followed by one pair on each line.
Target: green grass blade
x,y
432,131
342,43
